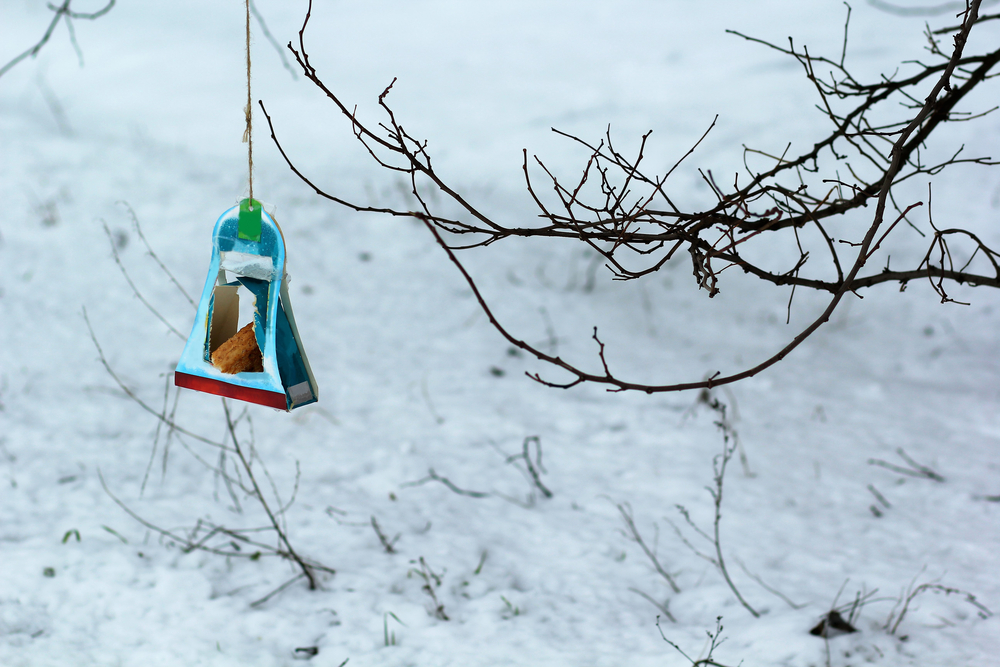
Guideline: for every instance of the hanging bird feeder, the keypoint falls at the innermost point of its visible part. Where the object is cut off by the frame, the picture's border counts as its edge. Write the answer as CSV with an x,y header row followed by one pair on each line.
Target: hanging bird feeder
x,y
263,362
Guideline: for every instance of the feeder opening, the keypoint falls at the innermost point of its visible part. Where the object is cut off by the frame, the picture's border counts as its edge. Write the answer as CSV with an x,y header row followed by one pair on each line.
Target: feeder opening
x,y
233,344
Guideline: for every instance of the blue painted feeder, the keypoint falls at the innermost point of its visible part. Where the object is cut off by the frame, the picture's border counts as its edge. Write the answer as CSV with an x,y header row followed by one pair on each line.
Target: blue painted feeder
x,y
247,245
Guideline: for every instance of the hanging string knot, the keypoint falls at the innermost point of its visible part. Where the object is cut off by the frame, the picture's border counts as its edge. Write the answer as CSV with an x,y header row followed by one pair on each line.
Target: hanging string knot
x,y
246,132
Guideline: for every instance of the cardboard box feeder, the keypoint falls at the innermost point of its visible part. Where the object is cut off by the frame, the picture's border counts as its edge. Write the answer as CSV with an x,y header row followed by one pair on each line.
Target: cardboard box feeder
x,y
248,245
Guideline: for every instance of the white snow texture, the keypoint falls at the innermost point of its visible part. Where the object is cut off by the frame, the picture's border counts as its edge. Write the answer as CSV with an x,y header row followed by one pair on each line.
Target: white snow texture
x,y
414,378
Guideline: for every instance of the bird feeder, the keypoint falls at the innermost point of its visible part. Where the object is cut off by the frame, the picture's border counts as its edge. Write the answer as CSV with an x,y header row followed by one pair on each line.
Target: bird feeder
x,y
264,362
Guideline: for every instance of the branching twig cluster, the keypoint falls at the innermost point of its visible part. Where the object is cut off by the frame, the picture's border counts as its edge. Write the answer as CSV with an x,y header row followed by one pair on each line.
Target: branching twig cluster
x,y
719,463
843,619
240,543
434,477
114,245
432,581
632,532
880,134
533,469
715,639
243,478
135,290
911,593
914,470
238,466
65,13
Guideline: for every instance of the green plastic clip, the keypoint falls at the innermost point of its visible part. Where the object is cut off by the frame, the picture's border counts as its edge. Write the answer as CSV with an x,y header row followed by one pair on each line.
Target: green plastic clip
x,y
250,220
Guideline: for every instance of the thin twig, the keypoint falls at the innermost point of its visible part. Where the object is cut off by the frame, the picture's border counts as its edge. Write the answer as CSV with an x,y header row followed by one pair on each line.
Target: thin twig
x,y
431,581
152,253
156,436
306,568
61,11
719,464
767,588
434,477
715,640
532,467
633,534
387,544
936,588
915,469
132,395
257,603
720,473
662,607
135,290
273,41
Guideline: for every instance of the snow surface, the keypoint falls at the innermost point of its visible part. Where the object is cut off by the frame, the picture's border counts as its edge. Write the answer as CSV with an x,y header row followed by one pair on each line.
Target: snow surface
x,y
412,377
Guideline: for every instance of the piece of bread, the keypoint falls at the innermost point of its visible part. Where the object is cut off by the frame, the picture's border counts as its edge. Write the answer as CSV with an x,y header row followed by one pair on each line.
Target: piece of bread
x,y
239,354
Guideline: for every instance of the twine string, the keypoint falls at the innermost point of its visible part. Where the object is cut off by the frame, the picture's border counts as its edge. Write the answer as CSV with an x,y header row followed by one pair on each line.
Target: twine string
x,y
248,111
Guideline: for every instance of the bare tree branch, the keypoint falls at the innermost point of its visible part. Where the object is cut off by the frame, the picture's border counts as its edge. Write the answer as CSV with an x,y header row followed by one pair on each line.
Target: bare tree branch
x,y
626,215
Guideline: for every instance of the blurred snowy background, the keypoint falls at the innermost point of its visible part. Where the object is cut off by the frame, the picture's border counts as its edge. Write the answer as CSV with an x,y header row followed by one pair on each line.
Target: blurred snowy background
x,y
412,376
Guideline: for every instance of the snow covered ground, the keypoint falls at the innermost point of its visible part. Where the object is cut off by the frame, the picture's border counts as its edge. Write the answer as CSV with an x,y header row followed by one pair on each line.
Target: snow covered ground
x,y
412,377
